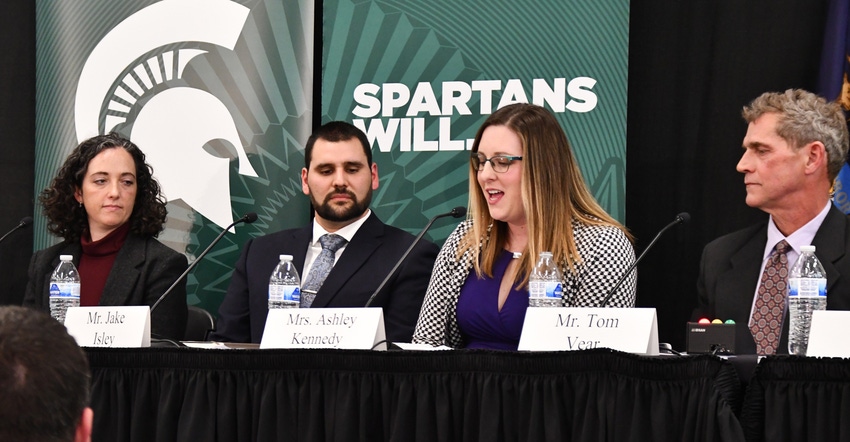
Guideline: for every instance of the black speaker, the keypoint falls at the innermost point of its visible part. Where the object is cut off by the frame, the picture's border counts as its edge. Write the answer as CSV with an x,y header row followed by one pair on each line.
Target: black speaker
x,y
710,338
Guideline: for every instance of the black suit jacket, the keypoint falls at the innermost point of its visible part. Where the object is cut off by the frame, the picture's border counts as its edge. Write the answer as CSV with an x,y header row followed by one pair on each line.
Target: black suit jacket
x,y
730,269
364,263
144,268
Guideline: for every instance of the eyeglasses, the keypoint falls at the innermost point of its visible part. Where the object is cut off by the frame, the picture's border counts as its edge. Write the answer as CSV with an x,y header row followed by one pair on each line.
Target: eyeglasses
x,y
500,163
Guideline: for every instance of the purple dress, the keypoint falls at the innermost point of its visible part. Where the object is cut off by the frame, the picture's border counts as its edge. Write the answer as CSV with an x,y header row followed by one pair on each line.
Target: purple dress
x,y
481,322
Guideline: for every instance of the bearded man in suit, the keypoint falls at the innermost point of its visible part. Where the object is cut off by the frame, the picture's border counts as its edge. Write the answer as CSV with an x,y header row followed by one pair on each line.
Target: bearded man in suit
x,y
796,143
339,177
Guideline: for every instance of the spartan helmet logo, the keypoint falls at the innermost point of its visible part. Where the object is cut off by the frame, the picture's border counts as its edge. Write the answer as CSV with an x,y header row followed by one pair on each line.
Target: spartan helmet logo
x,y
133,79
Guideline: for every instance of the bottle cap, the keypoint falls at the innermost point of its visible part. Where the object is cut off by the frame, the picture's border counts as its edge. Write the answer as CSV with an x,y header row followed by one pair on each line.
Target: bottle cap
x,y
809,248
286,257
66,257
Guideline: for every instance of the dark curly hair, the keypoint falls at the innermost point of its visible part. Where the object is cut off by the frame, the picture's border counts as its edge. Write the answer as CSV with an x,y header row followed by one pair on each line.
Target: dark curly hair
x,y
67,219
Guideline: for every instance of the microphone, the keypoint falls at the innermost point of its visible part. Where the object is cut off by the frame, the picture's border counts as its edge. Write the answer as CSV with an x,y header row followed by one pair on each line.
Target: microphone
x,y
25,221
247,218
681,218
457,212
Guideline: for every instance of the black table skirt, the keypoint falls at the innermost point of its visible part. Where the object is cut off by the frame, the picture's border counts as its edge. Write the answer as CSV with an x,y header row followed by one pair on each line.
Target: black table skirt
x,y
341,395
792,398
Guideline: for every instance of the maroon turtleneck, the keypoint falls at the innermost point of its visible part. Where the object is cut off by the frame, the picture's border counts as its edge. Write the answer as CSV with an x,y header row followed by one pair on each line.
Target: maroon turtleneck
x,y
96,262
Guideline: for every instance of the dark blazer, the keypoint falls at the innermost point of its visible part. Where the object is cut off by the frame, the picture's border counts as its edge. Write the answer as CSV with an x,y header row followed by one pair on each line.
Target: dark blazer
x,y
364,263
144,268
730,269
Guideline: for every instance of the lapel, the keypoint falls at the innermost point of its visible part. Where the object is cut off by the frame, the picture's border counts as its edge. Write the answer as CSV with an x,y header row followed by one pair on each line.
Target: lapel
x,y
124,276
356,254
830,242
299,241
736,286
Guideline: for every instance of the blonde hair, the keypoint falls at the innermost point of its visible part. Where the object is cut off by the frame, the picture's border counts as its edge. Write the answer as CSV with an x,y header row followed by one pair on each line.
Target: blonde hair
x,y
554,195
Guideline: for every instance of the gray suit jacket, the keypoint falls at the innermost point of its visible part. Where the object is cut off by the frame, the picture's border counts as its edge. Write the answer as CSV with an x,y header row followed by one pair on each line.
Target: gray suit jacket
x,y
144,268
367,259
730,268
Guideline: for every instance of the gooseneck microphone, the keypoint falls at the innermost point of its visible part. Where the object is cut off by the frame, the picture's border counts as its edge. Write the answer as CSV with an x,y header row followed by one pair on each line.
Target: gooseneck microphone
x,y
457,212
25,221
248,218
681,218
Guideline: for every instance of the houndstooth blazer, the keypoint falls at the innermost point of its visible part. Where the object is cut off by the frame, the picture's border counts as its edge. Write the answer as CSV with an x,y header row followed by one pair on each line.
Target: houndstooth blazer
x,y
606,254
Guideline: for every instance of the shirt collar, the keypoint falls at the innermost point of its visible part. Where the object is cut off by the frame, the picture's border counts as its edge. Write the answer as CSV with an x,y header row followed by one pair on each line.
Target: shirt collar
x,y
346,232
801,237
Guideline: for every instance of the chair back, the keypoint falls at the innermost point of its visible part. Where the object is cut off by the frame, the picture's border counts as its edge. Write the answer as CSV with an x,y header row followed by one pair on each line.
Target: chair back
x,y
198,324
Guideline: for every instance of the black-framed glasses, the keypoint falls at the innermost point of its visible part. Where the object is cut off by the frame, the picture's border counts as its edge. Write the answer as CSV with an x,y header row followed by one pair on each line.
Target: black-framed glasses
x,y
500,163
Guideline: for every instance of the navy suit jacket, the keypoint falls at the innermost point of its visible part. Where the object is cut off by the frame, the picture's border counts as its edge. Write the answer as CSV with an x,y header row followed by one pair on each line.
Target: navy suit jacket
x,y
730,270
143,270
364,263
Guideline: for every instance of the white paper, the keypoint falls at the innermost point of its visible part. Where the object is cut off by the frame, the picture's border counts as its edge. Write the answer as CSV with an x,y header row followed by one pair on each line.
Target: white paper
x,y
420,347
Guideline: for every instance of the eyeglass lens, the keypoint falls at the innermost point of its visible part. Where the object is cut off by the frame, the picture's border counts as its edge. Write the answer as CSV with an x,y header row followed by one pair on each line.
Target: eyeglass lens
x,y
500,163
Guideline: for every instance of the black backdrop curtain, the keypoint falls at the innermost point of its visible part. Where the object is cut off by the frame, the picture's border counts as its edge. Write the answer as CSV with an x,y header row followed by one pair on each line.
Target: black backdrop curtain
x,y
692,66
17,154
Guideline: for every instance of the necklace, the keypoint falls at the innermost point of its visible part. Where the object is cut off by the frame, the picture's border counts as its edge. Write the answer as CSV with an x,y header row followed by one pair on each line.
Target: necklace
x,y
517,255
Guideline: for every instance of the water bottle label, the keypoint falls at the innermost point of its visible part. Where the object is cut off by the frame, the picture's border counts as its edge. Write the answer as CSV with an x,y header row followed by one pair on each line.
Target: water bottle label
x,y
536,289
292,293
807,287
554,290
65,290
545,289
278,293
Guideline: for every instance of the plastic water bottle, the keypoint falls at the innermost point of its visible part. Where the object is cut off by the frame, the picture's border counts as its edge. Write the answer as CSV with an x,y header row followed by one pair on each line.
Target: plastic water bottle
x,y
64,288
806,293
284,285
545,285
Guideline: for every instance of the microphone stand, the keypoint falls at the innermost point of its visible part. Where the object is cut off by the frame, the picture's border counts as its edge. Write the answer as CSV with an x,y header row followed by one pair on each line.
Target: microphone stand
x,y
457,212
248,218
23,223
681,218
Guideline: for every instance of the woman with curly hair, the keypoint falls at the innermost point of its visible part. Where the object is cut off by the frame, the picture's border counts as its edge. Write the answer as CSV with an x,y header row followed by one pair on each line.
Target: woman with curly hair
x,y
526,195
108,208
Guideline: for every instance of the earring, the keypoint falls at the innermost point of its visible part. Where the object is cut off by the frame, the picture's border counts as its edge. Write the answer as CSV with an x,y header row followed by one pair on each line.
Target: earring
x,y
81,204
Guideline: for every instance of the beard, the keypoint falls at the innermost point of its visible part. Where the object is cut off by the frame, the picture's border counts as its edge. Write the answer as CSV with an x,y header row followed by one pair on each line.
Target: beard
x,y
345,213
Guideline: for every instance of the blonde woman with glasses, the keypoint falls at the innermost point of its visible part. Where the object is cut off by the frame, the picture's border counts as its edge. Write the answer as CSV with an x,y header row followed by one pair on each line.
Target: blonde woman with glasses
x,y
527,195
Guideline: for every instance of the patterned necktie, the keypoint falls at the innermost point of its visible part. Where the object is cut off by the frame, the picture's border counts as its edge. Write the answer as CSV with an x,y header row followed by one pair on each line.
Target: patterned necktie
x,y
766,323
321,267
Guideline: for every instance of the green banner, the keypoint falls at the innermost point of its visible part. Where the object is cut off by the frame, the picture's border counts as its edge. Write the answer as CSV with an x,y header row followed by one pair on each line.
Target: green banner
x,y
420,77
217,93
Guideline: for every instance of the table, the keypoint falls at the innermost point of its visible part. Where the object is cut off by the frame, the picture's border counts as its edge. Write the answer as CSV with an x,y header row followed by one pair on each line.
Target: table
x,y
179,394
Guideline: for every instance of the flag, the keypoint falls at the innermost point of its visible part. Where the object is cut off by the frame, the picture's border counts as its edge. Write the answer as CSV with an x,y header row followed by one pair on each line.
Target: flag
x,y
834,80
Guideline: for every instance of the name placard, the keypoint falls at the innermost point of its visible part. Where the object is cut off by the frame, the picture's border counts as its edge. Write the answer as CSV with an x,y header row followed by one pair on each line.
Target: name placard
x,y
347,328
633,330
103,326
828,335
